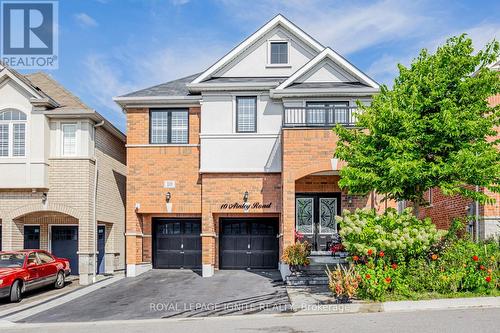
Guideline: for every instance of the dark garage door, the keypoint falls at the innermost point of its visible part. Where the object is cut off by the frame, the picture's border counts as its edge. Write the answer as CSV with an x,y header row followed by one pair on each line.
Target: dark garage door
x,y
177,243
249,244
64,244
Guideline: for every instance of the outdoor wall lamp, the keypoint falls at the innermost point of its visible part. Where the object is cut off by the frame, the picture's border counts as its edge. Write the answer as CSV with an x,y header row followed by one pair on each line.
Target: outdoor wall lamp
x,y
245,196
168,196
44,197
349,199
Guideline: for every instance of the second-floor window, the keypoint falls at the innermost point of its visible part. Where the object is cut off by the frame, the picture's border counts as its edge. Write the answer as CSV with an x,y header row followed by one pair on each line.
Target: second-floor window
x,y
169,126
68,139
246,114
12,133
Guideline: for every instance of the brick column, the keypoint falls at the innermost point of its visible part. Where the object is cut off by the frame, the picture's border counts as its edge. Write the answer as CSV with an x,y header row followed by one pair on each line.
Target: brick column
x,y
12,234
208,239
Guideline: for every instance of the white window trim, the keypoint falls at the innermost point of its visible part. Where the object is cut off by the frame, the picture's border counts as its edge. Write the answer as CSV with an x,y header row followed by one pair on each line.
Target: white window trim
x,y
62,139
269,42
10,138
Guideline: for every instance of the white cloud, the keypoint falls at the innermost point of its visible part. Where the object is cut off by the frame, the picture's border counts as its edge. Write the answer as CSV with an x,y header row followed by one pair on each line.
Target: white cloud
x,y
85,20
345,26
179,2
105,79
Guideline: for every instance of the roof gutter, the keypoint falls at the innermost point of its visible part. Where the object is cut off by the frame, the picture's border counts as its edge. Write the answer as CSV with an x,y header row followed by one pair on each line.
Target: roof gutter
x,y
198,87
364,92
148,101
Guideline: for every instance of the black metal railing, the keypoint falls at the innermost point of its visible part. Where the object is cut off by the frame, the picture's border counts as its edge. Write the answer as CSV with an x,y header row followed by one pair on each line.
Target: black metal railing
x,y
319,116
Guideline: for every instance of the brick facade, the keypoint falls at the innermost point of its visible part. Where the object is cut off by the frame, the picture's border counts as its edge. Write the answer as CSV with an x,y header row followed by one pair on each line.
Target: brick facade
x,y
307,168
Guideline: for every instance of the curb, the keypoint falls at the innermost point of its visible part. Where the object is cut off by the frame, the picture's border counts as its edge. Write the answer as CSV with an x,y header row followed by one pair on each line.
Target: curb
x,y
398,306
442,304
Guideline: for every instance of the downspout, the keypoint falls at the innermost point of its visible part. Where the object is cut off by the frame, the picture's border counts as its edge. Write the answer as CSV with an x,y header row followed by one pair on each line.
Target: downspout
x,y
477,216
94,275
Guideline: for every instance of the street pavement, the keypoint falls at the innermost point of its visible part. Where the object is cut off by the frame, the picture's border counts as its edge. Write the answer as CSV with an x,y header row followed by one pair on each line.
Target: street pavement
x,y
442,321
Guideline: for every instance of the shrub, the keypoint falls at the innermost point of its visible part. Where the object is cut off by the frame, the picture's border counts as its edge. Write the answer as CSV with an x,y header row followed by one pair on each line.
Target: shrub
x,y
297,254
343,282
398,236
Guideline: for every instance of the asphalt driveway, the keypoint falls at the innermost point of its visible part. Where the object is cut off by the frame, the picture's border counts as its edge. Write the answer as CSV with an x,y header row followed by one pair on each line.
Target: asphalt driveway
x,y
176,293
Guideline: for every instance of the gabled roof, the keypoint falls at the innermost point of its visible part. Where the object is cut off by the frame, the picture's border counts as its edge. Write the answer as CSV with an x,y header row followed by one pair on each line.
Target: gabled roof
x,y
56,100
56,91
277,20
328,53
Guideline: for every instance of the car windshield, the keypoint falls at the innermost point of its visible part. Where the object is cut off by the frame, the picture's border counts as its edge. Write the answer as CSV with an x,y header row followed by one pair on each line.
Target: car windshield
x,y
11,260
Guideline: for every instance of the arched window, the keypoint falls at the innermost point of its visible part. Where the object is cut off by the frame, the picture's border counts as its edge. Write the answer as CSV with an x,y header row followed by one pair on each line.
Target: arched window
x,y
12,133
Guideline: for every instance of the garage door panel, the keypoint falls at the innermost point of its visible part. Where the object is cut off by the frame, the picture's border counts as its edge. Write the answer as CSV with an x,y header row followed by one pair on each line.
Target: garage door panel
x,y
248,243
64,244
177,243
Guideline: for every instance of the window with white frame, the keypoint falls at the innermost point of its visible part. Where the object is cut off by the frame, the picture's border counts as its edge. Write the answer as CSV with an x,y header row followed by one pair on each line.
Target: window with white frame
x,y
68,139
12,133
246,114
278,52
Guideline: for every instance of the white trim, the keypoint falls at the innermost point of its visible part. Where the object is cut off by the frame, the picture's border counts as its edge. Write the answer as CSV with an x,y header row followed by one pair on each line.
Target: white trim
x,y
240,170
162,145
240,135
335,57
277,20
269,63
7,72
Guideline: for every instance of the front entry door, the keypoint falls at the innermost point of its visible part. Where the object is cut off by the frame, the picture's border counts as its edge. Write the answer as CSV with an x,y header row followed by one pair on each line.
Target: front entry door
x,y
32,237
315,218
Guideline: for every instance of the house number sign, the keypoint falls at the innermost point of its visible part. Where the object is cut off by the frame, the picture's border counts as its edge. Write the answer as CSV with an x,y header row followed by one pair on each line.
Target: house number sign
x,y
246,205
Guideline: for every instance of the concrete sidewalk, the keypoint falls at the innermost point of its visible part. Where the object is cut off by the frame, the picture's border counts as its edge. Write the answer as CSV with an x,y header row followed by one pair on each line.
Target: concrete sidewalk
x,y
320,300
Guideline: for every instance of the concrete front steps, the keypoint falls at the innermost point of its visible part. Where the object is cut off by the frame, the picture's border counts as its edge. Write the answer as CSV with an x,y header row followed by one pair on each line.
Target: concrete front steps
x,y
315,273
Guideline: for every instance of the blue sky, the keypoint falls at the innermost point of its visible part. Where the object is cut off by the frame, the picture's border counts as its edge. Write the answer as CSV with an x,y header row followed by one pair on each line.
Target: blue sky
x,y
111,47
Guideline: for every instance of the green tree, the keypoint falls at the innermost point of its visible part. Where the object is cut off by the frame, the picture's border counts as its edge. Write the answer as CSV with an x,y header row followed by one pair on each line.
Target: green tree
x,y
432,129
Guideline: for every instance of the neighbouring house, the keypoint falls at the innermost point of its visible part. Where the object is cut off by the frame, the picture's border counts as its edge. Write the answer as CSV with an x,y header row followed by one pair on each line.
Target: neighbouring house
x,y
443,209
62,176
225,165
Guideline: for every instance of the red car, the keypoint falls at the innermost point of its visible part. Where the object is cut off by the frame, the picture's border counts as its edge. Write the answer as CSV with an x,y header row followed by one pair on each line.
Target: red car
x,y
25,270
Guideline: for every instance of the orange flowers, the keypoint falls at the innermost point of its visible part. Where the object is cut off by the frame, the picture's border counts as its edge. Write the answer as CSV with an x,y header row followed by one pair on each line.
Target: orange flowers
x,y
388,280
355,258
434,256
488,279
475,258
381,254
489,270
394,266
370,252
368,276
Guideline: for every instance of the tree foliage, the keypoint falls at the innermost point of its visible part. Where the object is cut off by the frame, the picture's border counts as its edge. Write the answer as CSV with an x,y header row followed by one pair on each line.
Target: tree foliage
x,y
434,128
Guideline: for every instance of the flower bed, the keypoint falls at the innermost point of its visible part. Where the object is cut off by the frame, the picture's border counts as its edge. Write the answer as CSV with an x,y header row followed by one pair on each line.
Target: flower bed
x,y
398,256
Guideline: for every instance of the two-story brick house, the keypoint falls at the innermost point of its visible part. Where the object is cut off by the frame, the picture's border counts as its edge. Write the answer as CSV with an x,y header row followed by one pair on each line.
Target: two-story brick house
x,y
62,175
225,165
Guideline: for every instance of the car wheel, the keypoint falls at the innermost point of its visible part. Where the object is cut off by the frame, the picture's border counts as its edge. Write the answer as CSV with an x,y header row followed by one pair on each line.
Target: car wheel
x,y
16,292
59,280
